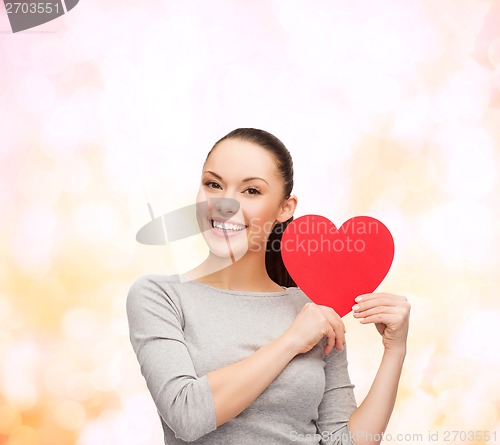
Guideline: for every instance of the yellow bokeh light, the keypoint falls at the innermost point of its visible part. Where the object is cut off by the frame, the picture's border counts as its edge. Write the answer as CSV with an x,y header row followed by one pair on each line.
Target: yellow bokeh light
x,y
69,414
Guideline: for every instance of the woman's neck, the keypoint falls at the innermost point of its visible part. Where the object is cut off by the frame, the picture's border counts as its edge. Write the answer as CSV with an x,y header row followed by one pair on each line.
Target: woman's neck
x,y
248,273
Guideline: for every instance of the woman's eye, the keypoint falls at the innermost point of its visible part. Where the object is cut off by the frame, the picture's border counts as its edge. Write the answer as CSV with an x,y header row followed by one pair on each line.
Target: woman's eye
x,y
215,185
209,183
253,191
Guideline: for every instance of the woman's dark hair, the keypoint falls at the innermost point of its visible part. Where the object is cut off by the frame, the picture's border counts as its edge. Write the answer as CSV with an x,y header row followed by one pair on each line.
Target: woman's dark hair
x,y
274,262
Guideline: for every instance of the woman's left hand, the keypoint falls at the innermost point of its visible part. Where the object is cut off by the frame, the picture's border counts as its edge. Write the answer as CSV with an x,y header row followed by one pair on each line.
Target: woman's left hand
x,y
389,312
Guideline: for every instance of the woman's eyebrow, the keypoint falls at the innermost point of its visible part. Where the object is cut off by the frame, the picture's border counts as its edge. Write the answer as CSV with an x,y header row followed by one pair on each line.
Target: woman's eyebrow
x,y
244,180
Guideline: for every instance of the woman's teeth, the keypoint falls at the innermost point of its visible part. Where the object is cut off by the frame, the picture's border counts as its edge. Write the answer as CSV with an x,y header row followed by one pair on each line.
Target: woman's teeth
x,y
221,225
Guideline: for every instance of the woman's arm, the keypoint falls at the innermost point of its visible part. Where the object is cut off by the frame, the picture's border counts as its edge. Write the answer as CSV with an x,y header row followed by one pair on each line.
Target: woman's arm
x,y
339,401
236,386
183,399
390,313
370,419
192,405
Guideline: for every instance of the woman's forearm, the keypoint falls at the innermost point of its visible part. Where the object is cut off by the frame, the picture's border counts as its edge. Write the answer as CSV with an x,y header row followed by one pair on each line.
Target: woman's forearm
x,y
236,386
370,419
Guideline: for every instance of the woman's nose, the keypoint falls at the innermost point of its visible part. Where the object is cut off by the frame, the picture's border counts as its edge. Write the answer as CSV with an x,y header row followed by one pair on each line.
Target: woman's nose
x,y
226,206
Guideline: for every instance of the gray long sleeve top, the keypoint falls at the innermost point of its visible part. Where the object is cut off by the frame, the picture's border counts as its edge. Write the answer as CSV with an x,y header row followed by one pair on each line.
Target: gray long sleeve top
x,y
180,331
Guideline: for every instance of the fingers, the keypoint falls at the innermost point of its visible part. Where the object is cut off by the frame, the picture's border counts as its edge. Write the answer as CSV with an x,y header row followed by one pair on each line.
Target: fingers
x,y
360,313
387,319
381,308
337,328
369,301
330,340
380,298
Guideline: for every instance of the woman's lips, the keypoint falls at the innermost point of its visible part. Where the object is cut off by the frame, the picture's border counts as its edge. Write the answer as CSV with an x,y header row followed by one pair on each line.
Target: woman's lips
x,y
223,233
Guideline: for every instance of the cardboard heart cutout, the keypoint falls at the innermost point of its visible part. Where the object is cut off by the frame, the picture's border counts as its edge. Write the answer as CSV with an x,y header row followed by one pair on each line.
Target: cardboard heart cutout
x,y
333,266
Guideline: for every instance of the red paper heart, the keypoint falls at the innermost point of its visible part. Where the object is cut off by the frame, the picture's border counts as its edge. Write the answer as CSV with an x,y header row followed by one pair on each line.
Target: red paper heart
x,y
333,266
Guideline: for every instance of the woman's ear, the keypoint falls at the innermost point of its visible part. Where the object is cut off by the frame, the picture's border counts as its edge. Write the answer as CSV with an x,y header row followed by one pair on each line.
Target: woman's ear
x,y
287,209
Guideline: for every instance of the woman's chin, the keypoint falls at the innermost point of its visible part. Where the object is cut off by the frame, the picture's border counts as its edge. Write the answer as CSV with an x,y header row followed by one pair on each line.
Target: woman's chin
x,y
233,248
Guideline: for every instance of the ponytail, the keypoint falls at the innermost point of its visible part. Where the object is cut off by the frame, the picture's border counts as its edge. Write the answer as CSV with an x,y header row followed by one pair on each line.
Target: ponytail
x,y
274,262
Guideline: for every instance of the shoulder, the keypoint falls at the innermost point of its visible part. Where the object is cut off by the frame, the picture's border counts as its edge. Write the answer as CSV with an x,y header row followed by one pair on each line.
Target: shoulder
x,y
298,295
153,281
153,288
153,301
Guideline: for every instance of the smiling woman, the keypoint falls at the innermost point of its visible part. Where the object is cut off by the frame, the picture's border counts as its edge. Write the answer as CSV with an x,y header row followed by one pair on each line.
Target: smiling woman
x,y
245,214
232,351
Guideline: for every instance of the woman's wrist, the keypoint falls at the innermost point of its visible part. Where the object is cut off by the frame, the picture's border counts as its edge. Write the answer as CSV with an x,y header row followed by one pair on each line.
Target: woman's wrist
x,y
291,345
399,351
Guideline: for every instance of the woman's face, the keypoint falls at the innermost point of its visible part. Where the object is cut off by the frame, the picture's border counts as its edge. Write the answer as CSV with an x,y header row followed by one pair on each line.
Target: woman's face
x,y
242,191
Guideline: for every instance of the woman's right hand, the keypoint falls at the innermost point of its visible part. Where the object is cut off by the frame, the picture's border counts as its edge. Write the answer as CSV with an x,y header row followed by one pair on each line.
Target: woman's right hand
x,y
314,322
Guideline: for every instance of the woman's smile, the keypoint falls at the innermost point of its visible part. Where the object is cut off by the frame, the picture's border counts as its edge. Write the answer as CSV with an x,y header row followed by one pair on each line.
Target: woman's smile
x,y
225,228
